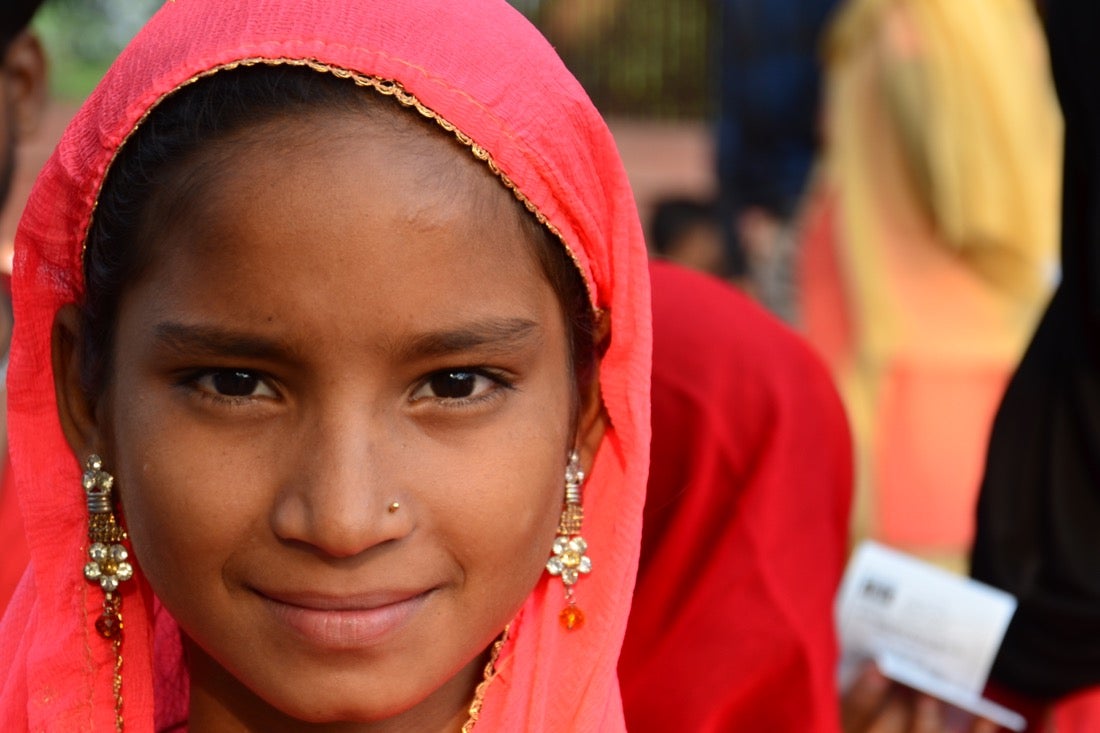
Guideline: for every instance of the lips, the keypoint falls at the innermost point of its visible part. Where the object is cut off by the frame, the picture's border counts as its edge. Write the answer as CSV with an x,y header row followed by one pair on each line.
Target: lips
x,y
344,622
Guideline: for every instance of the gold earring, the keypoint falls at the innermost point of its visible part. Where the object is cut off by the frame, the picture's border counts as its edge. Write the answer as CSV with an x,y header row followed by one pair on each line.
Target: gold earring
x,y
569,560
107,564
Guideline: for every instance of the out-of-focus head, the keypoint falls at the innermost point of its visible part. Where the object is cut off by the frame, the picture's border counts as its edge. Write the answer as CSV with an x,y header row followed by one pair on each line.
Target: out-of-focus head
x,y
688,232
22,83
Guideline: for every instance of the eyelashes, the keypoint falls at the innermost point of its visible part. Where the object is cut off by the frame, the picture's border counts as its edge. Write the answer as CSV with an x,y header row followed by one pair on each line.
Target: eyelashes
x,y
462,386
234,384
449,387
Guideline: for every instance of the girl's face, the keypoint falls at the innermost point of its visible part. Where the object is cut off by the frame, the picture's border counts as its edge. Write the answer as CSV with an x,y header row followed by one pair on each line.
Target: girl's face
x,y
341,315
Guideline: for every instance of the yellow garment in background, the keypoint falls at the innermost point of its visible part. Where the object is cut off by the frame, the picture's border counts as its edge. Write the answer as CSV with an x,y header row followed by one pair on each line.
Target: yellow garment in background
x,y
943,154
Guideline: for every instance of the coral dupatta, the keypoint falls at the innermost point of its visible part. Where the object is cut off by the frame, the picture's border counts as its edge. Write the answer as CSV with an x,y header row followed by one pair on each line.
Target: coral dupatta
x,y
485,71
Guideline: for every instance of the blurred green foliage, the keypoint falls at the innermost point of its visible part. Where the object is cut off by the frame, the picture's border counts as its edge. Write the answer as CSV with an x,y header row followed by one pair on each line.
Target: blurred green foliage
x,y
640,58
82,38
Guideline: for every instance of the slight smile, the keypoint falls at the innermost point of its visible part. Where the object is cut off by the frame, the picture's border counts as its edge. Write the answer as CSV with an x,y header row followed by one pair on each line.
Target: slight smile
x,y
345,622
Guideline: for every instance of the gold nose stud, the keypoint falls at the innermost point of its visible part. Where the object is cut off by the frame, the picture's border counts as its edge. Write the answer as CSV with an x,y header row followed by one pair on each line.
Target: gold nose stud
x,y
393,507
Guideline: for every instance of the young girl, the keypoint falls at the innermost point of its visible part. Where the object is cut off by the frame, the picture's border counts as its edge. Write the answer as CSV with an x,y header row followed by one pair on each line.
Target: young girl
x,y
345,306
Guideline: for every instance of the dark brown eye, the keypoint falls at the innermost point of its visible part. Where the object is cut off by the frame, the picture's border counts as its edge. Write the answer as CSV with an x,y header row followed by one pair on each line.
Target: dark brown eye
x,y
454,384
461,386
234,383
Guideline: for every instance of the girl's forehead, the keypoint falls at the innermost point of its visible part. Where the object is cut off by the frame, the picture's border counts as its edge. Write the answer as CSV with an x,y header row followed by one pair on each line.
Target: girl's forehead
x,y
392,147
317,252
272,203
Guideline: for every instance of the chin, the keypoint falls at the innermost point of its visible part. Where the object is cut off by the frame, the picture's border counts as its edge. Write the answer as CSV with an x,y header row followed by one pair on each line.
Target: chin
x,y
354,707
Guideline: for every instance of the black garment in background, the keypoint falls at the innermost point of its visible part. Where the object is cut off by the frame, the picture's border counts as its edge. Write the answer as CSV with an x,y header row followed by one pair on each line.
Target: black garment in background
x,y
1038,530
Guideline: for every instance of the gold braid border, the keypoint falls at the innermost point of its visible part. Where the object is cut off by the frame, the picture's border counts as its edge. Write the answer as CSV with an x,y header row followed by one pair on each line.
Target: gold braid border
x,y
488,675
386,87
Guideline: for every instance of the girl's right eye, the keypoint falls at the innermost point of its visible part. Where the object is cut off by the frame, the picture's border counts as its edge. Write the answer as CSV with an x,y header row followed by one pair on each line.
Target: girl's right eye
x,y
233,383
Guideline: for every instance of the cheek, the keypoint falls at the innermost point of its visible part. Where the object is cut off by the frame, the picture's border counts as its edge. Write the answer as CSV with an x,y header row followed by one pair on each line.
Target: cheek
x,y
188,503
502,539
497,499
519,500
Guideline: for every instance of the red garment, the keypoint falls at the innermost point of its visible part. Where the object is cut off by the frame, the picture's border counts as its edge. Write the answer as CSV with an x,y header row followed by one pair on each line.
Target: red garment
x,y
483,69
13,561
745,524
1078,713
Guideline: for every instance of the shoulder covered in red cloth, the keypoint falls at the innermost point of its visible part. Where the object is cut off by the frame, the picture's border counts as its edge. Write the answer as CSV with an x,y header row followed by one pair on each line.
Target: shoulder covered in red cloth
x,y
745,526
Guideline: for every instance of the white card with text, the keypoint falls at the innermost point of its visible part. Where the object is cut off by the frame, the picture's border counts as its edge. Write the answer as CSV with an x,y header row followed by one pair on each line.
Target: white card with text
x,y
925,628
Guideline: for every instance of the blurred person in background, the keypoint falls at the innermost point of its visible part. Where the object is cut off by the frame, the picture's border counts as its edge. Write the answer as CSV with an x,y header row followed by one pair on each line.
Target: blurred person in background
x,y
23,95
1038,530
688,232
744,534
23,80
767,134
929,246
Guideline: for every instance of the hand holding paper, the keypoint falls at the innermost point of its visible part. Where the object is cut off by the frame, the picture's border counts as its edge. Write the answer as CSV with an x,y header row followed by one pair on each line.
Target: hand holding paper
x,y
923,627
876,704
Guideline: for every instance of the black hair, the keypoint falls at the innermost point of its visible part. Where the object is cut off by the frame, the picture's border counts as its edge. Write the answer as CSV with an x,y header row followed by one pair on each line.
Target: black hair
x,y
143,177
673,218
15,15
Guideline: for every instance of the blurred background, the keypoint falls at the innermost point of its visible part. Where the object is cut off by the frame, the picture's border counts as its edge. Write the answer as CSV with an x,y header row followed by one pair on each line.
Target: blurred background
x,y
82,37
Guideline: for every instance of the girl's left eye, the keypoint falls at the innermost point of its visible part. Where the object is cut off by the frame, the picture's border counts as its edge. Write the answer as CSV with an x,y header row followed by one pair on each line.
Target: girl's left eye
x,y
234,383
456,384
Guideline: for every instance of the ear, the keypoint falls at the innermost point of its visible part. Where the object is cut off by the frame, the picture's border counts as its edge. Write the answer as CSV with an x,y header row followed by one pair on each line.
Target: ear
x,y
591,416
24,80
75,410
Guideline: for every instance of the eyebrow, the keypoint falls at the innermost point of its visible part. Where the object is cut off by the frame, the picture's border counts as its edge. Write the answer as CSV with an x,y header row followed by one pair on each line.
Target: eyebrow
x,y
494,334
192,339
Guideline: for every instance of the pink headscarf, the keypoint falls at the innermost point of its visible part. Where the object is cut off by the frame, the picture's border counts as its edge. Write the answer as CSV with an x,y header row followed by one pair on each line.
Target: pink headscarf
x,y
480,67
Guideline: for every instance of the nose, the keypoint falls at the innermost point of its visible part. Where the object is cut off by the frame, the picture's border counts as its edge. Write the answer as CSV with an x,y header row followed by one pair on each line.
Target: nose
x,y
337,493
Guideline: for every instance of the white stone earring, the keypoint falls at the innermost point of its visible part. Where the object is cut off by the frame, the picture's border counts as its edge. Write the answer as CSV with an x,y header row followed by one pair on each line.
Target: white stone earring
x,y
569,560
108,562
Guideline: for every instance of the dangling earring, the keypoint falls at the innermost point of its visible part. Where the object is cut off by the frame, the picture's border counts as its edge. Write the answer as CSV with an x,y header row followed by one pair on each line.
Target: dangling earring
x,y
107,564
569,559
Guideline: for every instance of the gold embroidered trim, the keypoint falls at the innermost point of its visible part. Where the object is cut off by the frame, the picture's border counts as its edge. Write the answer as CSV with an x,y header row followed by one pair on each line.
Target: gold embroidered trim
x,y
487,677
386,87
